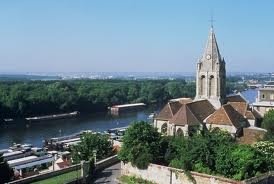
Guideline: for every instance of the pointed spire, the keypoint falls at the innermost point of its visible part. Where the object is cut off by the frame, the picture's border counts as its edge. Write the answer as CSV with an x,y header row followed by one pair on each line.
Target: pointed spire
x,y
212,50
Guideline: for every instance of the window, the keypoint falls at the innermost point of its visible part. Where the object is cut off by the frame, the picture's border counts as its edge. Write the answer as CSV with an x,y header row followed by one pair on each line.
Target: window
x,y
164,128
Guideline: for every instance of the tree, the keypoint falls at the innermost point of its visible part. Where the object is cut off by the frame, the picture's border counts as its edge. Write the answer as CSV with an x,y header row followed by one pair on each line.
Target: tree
x,y
141,145
241,162
198,152
268,124
91,144
6,173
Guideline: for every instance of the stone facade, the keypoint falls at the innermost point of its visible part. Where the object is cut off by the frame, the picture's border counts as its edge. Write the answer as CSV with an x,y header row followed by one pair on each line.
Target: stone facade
x,y
167,175
211,74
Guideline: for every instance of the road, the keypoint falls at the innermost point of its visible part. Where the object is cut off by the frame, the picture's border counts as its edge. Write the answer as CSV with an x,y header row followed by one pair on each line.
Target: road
x,y
108,175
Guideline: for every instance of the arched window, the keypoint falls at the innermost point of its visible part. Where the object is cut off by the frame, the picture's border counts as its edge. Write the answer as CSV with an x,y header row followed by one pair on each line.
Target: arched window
x,y
202,85
180,132
164,128
211,86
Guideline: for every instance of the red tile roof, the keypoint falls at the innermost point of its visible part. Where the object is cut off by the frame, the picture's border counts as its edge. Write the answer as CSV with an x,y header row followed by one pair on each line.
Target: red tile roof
x,y
241,107
227,115
184,117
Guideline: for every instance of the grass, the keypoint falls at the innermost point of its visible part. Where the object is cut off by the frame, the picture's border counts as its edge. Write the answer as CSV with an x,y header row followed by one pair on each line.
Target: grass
x,y
133,180
60,179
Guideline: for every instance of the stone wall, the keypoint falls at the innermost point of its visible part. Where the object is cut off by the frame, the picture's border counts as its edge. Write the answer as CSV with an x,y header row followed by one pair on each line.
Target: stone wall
x,y
107,162
167,175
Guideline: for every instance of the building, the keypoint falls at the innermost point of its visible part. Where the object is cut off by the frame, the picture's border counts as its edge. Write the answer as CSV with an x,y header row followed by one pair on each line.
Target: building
x,y
183,117
211,74
265,98
211,108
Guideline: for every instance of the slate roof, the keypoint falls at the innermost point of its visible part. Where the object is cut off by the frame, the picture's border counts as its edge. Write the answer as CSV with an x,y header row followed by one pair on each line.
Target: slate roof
x,y
201,109
226,115
235,98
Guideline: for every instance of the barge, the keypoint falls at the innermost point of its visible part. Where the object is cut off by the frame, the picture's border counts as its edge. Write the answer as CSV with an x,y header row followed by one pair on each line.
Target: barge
x,y
126,107
54,116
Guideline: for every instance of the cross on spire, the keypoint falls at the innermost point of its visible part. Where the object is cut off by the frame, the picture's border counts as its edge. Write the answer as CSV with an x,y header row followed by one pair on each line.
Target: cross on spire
x,y
211,21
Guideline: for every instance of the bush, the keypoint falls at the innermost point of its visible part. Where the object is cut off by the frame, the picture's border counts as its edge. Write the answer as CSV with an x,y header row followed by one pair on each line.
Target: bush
x,y
91,142
141,145
268,124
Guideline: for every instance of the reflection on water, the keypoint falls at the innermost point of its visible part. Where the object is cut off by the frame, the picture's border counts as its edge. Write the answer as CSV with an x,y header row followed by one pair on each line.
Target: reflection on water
x,y
21,132
34,133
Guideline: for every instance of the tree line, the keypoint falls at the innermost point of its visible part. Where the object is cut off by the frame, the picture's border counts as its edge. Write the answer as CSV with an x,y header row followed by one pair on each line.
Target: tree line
x,y
32,98
29,98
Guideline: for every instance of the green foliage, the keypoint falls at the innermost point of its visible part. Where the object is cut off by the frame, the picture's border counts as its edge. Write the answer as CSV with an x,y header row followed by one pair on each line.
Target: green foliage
x,y
62,178
241,162
268,124
19,99
133,180
266,148
218,153
6,173
199,151
91,142
141,145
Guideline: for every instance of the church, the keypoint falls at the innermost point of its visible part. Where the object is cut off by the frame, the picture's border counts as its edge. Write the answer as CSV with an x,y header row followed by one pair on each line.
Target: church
x,y
210,108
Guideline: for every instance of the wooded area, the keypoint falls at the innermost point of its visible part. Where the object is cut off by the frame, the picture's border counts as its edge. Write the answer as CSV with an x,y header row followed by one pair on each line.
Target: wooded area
x,y
20,99
32,98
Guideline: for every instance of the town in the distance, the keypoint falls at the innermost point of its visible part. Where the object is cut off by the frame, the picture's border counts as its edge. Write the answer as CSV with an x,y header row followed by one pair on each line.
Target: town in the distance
x,y
209,127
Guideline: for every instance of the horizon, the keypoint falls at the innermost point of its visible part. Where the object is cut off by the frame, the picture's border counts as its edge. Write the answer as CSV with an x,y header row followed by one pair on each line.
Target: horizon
x,y
129,36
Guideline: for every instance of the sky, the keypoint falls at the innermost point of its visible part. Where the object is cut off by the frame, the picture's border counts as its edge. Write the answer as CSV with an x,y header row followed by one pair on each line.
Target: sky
x,y
133,35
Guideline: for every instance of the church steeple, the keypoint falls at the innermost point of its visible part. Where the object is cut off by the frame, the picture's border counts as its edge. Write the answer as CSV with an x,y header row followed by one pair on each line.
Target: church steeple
x,y
212,50
211,74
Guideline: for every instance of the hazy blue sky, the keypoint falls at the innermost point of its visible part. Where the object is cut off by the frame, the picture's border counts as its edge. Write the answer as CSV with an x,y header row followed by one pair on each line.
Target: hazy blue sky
x,y
140,35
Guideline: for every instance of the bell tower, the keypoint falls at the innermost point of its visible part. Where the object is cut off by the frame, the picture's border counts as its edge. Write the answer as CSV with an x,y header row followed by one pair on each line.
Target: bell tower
x,y
211,74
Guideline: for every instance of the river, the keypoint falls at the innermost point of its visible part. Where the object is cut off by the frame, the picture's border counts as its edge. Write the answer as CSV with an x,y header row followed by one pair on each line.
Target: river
x,y
35,133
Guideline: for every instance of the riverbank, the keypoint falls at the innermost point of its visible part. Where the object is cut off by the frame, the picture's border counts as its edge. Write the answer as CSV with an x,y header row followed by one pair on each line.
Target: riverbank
x,y
20,132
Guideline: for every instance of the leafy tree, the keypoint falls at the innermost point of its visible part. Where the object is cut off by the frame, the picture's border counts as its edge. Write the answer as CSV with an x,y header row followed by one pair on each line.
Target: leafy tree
x,y
90,143
198,152
6,173
268,124
141,145
240,162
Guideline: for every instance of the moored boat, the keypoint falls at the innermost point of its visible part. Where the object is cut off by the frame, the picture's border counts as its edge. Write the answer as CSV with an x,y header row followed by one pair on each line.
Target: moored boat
x,y
54,116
